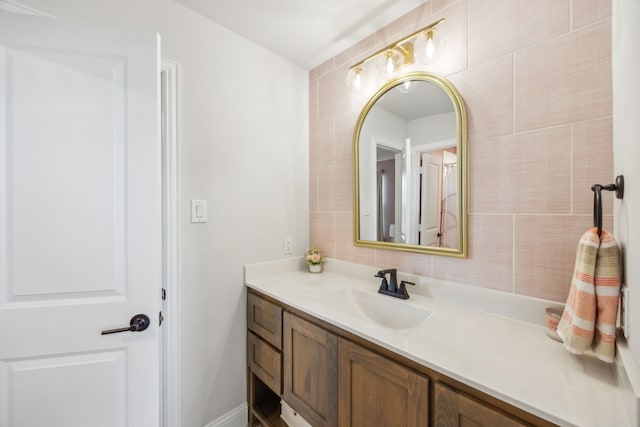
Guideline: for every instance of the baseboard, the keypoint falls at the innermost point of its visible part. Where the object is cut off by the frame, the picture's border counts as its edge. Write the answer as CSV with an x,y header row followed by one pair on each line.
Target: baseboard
x,y
236,417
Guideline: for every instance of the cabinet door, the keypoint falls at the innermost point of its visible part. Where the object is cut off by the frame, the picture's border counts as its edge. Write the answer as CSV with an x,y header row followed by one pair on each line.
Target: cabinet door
x,y
375,391
454,409
310,371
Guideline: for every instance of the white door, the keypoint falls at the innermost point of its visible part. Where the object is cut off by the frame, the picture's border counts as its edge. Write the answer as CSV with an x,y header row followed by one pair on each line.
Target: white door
x,y
80,225
431,199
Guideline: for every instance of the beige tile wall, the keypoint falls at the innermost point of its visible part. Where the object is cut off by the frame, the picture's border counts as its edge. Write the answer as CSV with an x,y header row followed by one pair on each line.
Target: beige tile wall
x,y
536,80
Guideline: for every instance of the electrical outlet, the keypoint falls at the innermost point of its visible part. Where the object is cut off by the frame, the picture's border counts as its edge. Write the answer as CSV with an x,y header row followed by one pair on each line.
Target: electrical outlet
x,y
288,245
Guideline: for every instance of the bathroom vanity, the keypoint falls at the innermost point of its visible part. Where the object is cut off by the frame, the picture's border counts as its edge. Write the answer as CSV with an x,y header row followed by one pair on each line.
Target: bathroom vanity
x,y
320,343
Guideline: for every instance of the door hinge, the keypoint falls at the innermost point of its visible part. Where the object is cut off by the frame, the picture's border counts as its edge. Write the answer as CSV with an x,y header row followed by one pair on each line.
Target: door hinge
x,y
164,294
161,318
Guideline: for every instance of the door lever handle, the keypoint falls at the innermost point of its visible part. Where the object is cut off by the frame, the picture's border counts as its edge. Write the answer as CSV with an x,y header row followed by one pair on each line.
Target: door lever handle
x,y
138,323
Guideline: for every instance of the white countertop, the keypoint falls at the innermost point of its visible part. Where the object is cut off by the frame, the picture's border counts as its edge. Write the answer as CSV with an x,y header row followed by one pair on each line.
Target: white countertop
x,y
509,359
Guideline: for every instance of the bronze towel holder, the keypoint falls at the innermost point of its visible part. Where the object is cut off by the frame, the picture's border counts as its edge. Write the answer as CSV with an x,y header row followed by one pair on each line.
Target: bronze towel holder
x,y
618,187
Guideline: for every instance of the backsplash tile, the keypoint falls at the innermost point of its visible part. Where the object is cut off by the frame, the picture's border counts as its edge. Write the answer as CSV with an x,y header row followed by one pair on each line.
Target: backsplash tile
x,y
490,262
345,249
592,144
321,144
536,81
564,80
545,253
501,27
585,12
407,262
332,99
313,189
322,69
344,127
487,91
322,232
334,186
530,174
314,104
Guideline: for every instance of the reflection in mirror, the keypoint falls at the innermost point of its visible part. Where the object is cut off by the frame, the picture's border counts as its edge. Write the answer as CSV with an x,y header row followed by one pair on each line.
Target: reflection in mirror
x,y
410,168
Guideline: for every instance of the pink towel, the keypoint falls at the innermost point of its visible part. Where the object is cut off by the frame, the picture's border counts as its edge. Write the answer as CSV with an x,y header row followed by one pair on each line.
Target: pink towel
x,y
589,318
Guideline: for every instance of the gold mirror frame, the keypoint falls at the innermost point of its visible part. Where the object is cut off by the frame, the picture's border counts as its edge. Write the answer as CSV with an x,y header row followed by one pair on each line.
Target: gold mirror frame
x,y
462,151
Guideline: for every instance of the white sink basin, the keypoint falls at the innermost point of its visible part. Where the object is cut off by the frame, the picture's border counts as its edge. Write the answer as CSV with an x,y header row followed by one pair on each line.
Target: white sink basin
x,y
381,309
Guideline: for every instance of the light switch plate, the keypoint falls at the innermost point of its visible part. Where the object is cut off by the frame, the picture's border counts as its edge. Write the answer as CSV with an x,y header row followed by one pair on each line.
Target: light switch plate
x,y
198,211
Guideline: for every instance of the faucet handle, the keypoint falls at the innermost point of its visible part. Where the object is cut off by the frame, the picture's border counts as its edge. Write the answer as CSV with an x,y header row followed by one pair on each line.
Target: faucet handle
x,y
382,275
402,289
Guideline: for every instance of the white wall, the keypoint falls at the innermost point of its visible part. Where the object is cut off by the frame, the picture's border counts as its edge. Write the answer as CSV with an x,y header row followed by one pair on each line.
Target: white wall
x,y
244,148
626,147
243,143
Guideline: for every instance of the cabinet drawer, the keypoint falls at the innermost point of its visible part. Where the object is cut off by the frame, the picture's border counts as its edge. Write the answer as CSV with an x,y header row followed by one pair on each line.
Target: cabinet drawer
x,y
454,409
265,362
265,319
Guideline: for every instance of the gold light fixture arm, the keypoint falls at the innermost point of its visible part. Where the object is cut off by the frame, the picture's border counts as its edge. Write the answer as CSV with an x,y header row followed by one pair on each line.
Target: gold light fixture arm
x,y
400,46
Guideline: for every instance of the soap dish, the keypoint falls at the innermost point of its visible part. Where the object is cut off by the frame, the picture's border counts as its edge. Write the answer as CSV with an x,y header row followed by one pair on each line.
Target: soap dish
x,y
553,316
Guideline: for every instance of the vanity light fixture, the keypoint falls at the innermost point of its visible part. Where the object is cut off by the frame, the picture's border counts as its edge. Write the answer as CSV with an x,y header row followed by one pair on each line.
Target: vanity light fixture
x,y
421,45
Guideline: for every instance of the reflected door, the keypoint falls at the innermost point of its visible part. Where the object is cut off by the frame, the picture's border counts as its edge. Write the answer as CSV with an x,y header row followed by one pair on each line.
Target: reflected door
x,y
449,226
431,200
80,223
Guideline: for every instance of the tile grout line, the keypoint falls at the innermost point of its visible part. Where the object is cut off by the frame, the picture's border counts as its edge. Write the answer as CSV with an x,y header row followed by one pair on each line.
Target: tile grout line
x,y
570,15
513,254
513,93
571,171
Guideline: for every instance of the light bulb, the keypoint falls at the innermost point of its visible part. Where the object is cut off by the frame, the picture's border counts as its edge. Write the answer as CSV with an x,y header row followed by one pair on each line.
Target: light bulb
x,y
389,66
430,47
357,80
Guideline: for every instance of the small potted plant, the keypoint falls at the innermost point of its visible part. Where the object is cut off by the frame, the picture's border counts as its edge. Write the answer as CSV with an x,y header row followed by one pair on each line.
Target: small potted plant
x,y
314,259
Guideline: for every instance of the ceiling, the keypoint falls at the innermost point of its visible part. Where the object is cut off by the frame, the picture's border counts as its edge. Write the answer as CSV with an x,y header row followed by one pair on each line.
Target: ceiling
x,y
413,105
307,32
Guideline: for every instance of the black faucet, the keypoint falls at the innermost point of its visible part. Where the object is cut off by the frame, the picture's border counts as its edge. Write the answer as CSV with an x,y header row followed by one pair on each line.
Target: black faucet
x,y
390,287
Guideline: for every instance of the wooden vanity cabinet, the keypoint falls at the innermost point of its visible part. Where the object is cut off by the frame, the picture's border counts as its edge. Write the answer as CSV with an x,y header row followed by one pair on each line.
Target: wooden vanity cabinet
x,y
375,391
335,379
454,409
310,371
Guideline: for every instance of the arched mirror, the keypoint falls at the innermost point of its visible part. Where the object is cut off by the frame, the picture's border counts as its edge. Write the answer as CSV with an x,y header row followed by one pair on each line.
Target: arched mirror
x,y
410,168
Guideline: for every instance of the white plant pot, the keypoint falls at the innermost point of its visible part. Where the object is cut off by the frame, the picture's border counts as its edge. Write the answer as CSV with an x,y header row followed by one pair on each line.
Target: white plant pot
x,y
315,268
